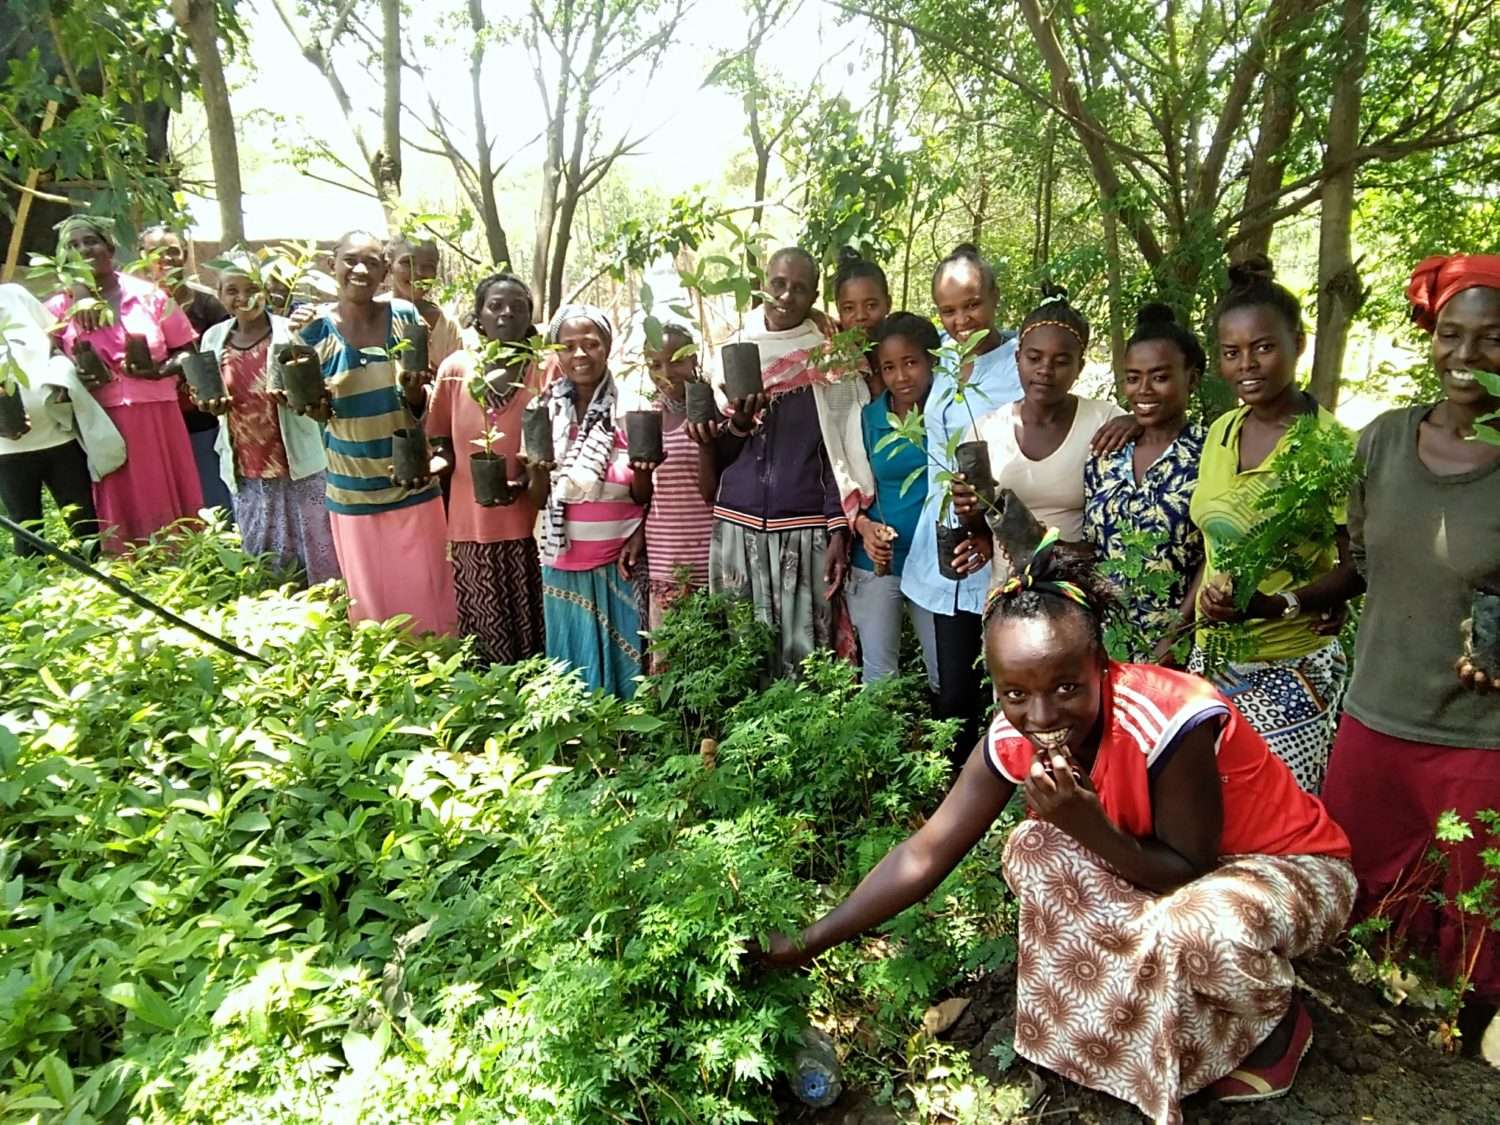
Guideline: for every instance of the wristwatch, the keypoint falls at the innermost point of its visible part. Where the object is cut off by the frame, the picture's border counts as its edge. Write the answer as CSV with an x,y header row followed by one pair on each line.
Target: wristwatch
x,y
1293,606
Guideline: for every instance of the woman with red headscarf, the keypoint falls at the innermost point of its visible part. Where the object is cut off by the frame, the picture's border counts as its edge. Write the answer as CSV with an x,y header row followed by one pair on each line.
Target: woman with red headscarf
x,y
1421,730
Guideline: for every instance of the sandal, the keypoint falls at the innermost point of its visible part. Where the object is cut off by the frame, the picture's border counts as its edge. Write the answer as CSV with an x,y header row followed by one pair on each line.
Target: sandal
x,y
1261,1084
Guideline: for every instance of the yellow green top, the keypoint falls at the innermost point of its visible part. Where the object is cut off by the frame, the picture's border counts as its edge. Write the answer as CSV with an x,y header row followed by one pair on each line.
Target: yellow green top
x,y
1224,509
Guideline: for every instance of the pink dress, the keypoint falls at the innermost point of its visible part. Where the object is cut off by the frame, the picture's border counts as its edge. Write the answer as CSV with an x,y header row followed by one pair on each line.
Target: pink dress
x,y
158,484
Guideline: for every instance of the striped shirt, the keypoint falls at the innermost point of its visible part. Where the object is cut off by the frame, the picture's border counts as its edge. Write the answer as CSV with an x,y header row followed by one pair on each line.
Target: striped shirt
x,y
368,408
679,523
596,530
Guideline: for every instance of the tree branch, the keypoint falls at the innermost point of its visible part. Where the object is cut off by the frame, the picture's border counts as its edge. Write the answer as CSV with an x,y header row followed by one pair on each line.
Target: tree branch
x,y
1037,95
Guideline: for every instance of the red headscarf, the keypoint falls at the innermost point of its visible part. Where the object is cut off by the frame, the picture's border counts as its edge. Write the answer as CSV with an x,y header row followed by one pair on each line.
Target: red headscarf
x,y
1438,280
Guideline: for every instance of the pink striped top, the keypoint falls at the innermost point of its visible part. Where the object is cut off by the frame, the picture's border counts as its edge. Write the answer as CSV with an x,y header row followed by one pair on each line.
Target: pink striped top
x,y
597,529
679,523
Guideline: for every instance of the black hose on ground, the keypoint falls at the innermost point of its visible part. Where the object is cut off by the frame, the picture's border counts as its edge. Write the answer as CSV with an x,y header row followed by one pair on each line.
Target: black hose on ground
x,y
125,591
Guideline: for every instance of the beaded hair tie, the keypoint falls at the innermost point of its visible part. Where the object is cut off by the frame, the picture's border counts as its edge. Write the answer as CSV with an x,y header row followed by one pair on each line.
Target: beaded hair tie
x,y
1028,579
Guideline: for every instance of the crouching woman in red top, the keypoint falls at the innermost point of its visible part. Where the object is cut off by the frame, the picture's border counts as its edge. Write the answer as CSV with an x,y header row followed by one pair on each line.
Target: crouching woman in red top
x,y
1169,871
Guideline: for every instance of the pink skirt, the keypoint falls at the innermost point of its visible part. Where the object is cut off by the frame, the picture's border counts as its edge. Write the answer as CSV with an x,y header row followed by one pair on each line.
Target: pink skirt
x,y
157,485
396,563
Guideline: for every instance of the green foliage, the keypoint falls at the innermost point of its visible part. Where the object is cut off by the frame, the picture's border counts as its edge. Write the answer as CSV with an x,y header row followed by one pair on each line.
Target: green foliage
x,y
364,882
1140,571
1315,471
1378,944
287,269
68,271
114,69
1300,514
952,356
858,189
1487,426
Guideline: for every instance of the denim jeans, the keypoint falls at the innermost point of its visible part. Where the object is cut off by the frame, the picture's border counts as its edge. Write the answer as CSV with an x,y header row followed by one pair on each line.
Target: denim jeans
x,y
875,606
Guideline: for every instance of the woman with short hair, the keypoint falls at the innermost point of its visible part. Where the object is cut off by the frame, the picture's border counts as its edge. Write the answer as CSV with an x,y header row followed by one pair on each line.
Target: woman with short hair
x,y
390,535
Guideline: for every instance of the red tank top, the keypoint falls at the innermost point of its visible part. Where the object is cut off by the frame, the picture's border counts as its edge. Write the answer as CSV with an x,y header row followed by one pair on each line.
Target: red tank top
x,y
1145,709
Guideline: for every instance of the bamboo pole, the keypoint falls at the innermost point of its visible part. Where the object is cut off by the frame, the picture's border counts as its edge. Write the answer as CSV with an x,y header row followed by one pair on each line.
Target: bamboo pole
x,y
23,209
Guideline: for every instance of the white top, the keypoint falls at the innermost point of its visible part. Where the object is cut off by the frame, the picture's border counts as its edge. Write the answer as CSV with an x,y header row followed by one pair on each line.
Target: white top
x,y
24,343
60,408
1051,488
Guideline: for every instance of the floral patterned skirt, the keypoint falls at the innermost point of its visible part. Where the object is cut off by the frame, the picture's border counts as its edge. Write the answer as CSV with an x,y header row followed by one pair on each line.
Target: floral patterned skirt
x,y
1152,997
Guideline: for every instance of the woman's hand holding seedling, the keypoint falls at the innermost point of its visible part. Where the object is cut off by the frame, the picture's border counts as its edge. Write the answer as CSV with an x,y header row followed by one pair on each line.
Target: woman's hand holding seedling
x,y
704,434
91,316
215,406
973,554
1472,673
435,465
321,411
1218,603
744,411
414,386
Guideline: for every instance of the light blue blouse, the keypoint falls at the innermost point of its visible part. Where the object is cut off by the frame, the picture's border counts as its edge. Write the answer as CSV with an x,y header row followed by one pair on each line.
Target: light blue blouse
x,y
995,382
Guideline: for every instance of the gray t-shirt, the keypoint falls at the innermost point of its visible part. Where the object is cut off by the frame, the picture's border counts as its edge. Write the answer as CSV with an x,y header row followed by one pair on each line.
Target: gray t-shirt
x,y
1422,542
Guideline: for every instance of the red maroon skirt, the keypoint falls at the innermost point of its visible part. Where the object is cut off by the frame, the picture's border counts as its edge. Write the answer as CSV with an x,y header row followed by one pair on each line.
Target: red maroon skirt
x,y
1387,794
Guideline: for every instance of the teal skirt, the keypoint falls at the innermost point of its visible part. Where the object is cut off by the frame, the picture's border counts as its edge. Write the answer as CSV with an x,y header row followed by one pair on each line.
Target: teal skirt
x,y
593,621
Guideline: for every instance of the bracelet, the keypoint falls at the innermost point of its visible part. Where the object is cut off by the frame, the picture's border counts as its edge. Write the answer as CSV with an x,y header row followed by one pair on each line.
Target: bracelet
x,y
742,434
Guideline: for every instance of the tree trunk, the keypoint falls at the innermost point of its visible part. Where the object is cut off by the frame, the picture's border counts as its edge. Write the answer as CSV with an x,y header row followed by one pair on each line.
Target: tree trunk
x,y
388,172
200,20
1089,133
1116,293
564,238
489,209
1278,113
762,150
546,209
1340,293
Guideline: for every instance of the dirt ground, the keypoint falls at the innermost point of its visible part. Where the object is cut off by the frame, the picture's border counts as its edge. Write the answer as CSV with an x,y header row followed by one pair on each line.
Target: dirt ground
x,y
1369,1062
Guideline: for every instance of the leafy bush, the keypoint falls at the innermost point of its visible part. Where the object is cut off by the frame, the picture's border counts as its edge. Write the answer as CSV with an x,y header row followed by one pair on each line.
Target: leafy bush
x,y
363,882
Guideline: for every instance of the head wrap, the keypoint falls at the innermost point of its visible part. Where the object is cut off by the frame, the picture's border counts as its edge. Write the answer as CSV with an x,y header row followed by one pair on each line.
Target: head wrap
x,y
591,313
1439,279
1033,577
104,228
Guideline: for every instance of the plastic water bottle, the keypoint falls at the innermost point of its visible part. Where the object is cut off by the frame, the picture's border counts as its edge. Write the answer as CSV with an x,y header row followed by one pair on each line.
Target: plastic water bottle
x,y
817,1080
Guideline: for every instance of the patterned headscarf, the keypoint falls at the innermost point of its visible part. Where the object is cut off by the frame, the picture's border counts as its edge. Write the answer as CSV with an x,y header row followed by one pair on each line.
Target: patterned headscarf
x,y
584,452
591,313
104,228
1033,576
1437,280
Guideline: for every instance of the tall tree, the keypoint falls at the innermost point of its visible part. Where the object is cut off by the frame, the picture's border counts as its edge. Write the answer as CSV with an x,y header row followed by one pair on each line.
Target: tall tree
x,y
106,76
580,49
771,108
329,26
476,170
1340,292
1204,124
199,20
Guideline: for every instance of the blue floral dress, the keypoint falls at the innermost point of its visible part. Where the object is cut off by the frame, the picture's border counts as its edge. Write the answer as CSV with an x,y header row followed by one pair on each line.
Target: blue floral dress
x,y
1153,514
